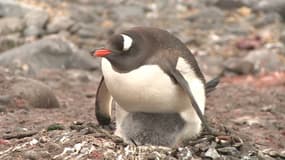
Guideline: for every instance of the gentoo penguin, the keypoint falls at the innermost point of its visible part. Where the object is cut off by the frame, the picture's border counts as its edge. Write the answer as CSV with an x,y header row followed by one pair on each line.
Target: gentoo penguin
x,y
148,70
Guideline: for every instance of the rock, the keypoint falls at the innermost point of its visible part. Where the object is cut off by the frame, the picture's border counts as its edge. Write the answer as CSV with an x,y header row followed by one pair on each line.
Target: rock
x,y
211,66
32,155
11,25
184,153
33,31
5,99
282,36
214,20
228,151
3,108
266,59
53,53
268,18
282,154
55,126
37,18
32,93
271,6
230,4
59,23
128,12
89,30
13,8
10,41
35,22
239,66
212,153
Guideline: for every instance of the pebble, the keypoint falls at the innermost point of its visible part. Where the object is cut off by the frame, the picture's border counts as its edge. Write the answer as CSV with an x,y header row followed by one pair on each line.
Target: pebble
x,y
10,25
212,153
239,66
32,155
59,23
228,151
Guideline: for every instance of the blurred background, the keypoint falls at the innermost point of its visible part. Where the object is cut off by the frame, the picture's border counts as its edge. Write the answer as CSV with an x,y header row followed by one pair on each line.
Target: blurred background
x,y
48,78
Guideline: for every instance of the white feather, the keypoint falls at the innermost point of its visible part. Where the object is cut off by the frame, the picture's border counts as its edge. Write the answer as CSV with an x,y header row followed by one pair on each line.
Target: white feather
x,y
127,42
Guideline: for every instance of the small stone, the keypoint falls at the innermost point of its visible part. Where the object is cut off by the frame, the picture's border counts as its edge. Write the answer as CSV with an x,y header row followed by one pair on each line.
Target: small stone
x,y
228,151
5,99
239,66
10,25
32,93
55,126
32,155
36,18
59,23
184,153
3,108
33,31
212,153
282,154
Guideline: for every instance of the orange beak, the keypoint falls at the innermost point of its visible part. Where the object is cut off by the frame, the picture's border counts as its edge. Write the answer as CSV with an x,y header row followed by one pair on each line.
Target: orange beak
x,y
102,52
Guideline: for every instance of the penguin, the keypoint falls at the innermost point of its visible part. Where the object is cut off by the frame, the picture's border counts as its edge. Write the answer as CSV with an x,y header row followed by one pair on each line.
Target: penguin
x,y
148,70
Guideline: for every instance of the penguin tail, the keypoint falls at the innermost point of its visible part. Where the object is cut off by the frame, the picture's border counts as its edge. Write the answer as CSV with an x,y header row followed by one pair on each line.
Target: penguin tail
x,y
212,84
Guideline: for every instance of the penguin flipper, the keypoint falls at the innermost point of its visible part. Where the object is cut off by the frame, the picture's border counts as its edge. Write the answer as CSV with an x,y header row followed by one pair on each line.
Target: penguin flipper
x,y
184,85
103,104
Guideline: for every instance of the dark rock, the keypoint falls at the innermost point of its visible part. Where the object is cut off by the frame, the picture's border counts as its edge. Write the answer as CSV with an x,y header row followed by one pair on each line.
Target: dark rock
x,y
32,93
59,23
53,53
228,151
239,66
5,99
11,25
55,126
229,4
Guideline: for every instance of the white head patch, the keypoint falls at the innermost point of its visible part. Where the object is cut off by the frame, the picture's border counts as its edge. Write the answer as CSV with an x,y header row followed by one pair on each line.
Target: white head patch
x,y
127,42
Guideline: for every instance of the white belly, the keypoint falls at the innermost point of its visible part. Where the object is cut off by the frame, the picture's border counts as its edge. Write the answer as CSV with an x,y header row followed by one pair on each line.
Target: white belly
x,y
145,89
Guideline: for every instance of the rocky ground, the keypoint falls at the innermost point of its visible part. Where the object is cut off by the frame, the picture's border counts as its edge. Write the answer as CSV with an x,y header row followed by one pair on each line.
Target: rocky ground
x,y
49,80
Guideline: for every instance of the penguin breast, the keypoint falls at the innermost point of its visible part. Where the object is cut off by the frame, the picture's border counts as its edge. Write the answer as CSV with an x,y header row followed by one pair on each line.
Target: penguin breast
x,y
145,89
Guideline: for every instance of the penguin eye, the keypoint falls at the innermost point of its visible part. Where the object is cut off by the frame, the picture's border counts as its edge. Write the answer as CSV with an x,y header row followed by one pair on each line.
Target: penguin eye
x,y
127,42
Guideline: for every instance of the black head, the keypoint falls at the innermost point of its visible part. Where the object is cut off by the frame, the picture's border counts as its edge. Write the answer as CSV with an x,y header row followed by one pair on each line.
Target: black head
x,y
128,50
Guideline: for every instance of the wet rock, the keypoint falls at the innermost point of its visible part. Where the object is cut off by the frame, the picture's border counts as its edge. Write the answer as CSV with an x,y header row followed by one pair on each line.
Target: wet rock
x,y
228,151
266,59
32,93
11,25
53,53
59,23
239,66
